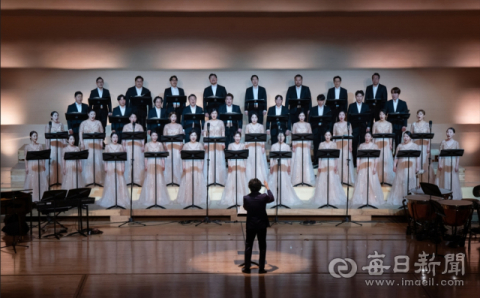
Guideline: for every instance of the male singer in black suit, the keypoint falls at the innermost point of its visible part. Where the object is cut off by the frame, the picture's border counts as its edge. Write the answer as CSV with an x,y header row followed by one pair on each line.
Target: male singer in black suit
x,y
138,90
377,91
319,128
298,91
255,92
192,108
156,112
276,110
396,105
213,90
358,129
101,111
121,111
76,107
338,92
257,222
172,91
231,127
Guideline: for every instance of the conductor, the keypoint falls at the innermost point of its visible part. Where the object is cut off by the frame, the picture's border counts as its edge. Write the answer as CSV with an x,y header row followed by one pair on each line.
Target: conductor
x,y
257,222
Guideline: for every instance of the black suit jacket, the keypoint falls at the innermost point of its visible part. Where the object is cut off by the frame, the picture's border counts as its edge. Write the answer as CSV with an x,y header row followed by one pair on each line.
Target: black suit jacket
x,y
304,94
186,123
314,112
262,94
401,108
116,112
75,124
235,109
168,92
221,91
152,113
132,92
343,93
271,112
352,109
255,205
381,92
105,94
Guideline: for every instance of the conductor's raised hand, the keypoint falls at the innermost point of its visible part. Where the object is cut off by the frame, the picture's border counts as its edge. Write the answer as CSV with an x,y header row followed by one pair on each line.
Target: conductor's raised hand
x,y
266,184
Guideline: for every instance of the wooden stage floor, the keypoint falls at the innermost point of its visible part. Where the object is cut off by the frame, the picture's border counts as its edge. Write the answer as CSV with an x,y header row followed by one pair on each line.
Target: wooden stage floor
x,y
167,259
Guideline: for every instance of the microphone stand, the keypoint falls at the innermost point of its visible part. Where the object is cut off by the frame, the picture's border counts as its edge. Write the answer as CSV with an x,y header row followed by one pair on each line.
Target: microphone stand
x,y
430,154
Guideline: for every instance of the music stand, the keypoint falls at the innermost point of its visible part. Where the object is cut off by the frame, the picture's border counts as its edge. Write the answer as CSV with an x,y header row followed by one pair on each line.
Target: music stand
x,y
214,140
94,136
78,194
299,103
196,121
348,138
279,155
256,105
51,197
38,155
302,137
275,119
383,136
256,138
451,153
193,155
119,120
115,156
375,153
328,154
375,104
320,120
230,119
99,101
76,116
160,124
156,155
213,102
236,155
336,105
423,136
395,118
171,140
140,100
133,135
177,102
61,135
408,154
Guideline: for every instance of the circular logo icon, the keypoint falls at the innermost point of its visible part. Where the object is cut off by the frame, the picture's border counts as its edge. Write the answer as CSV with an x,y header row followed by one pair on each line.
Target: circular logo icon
x,y
342,268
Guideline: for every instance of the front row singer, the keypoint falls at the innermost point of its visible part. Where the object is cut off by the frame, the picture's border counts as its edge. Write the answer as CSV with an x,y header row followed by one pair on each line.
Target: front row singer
x,y
216,168
136,152
72,169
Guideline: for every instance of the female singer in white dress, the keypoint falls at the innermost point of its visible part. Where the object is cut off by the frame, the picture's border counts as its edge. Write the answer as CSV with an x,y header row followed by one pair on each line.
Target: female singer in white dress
x,y
286,195
368,166
184,196
57,147
447,172
385,145
260,164
298,170
236,179
328,175
147,196
90,126
217,155
32,167
172,129
402,168
108,197
138,148
341,129
72,169
421,126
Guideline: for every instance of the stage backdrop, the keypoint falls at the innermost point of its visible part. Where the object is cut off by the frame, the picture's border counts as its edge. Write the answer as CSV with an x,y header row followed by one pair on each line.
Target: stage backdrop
x,y
51,50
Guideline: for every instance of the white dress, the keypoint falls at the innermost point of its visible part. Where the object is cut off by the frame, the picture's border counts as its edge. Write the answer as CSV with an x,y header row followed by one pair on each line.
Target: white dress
x,y
184,196
89,126
340,129
297,169
57,152
261,159
423,127
448,166
32,177
235,179
139,159
69,180
216,154
172,129
108,197
285,194
386,157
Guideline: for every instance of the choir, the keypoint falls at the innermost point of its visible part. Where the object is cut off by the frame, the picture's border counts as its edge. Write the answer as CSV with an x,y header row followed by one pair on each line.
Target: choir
x,y
347,130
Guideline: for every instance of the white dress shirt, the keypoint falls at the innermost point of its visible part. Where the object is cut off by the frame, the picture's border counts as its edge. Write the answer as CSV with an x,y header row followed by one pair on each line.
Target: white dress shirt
x,y
374,89
193,109
100,92
159,112
255,92
359,107
139,91
175,91
214,89
122,110
320,110
278,110
299,92
79,107
229,109
395,104
337,93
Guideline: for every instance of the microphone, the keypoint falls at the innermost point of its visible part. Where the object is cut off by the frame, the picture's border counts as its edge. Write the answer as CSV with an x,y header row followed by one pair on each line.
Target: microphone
x,y
50,125
278,125
208,129
430,124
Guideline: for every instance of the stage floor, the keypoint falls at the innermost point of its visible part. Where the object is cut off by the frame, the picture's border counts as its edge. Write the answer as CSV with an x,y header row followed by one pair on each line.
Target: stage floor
x,y
167,259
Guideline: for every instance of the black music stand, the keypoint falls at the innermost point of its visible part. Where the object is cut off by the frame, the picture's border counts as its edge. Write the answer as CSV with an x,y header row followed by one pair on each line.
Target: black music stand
x,y
193,155
375,153
79,194
279,155
336,105
61,135
156,155
275,119
177,103
383,136
230,120
133,135
115,156
395,118
375,104
451,153
408,154
348,138
256,138
38,155
299,105
99,101
50,198
214,140
256,105
236,155
302,137
423,136
160,124
14,206
212,102
171,140
320,120
359,119
119,120
76,116
94,136
140,100
196,122
328,154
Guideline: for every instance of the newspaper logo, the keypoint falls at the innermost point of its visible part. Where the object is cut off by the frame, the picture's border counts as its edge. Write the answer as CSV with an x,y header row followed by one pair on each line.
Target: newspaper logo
x,y
341,266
